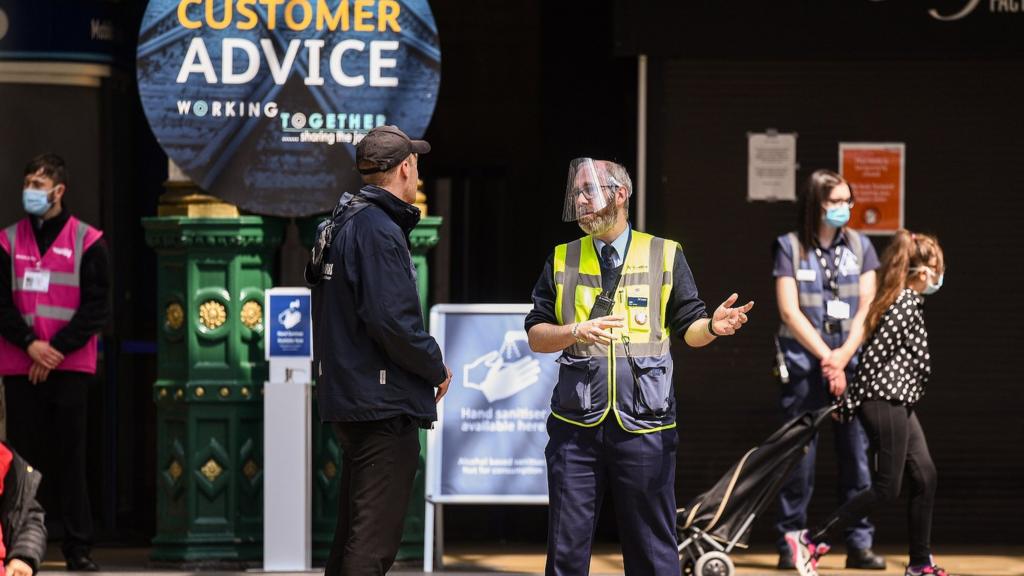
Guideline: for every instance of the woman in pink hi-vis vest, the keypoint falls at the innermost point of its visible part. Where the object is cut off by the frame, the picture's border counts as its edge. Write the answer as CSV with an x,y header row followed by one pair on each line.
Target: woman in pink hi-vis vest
x,y
54,284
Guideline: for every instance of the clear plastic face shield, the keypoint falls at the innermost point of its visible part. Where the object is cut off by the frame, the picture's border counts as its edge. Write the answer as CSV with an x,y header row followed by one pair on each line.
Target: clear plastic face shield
x,y
589,189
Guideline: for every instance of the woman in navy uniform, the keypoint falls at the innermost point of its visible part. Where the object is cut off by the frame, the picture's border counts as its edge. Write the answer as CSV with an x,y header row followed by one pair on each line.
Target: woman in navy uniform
x,y
824,284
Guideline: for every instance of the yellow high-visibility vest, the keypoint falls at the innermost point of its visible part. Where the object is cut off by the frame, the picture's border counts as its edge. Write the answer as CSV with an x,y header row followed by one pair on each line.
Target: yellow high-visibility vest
x,y
590,374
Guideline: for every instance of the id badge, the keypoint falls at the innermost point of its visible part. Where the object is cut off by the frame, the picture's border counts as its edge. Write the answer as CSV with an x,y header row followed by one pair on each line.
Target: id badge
x,y
36,281
806,275
838,309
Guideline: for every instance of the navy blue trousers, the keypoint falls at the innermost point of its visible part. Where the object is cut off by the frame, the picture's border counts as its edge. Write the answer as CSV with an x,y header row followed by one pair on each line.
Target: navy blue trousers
x,y
810,392
637,469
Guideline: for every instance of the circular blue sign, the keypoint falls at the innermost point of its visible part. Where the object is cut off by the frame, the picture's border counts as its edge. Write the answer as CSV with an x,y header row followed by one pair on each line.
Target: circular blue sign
x,y
260,101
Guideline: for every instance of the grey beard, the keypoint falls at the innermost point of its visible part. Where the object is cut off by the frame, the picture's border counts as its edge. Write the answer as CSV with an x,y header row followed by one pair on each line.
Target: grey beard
x,y
602,222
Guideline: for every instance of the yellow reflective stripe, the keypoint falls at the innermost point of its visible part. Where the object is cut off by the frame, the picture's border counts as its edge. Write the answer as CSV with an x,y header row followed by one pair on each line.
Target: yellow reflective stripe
x,y
667,282
656,260
559,271
582,280
572,273
634,278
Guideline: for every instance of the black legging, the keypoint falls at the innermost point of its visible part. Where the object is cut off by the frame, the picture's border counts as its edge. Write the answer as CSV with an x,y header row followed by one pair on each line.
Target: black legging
x,y
898,440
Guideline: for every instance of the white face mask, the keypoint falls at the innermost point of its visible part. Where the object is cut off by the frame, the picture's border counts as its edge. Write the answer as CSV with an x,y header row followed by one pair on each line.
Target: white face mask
x,y
930,288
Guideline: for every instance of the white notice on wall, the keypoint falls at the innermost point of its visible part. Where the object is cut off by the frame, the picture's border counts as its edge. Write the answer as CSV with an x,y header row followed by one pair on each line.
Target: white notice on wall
x,y
771,172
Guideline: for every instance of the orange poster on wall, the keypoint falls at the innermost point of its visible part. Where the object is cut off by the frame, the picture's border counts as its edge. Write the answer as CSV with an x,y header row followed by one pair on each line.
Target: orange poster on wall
x,y
876,172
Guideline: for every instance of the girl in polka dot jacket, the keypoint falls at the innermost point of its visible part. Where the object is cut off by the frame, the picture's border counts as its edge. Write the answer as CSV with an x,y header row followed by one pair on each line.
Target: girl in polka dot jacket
x,y
895,366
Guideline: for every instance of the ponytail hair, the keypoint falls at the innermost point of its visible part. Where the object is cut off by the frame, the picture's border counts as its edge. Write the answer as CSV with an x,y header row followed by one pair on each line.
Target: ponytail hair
x,y
907,252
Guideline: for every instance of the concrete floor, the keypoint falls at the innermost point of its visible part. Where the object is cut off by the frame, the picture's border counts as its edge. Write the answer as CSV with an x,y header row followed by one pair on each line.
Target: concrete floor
x,y
492,560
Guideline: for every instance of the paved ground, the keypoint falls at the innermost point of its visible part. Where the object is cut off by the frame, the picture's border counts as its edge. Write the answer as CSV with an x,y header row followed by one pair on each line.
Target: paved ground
x,y
507,560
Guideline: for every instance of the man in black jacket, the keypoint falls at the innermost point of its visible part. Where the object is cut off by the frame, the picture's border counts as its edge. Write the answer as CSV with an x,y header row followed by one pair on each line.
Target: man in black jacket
x,y
377,367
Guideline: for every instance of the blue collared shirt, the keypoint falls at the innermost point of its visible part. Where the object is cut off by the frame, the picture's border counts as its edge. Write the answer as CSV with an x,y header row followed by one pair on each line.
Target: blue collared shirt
x,y
619,244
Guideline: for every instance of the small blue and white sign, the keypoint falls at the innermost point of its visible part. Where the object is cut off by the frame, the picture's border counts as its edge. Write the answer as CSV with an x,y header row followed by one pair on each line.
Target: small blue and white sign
x,y
289,323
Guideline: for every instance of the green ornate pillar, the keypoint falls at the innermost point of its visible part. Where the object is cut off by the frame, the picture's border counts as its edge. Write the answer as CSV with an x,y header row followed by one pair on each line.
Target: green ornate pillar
x,y
327,453
213,266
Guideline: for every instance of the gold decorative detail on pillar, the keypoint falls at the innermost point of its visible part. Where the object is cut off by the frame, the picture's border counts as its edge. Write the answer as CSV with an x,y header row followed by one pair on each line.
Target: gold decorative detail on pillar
x,y
252,314
200,392
184,198
163,393
421,198
213,314
179,394
250,469
330,470
211,470
174,470
174,316
225,392
245,392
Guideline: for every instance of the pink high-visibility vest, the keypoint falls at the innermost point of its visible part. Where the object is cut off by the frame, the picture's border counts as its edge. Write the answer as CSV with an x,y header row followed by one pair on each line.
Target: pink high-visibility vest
x,y
50,309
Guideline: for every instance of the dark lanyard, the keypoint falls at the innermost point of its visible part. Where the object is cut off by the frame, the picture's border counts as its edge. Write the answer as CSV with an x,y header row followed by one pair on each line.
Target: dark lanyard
x,y
831,269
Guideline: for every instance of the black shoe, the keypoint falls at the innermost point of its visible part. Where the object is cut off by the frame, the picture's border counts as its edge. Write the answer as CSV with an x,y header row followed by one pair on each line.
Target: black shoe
x,y
81,563
785,561
864,559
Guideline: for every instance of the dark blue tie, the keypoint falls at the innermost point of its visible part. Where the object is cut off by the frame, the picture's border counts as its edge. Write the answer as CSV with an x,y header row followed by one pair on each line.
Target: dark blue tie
x,y
608,256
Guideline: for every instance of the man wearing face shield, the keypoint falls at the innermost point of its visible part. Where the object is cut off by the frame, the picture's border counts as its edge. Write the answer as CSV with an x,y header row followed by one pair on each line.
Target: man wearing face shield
x,y
609,302
54,284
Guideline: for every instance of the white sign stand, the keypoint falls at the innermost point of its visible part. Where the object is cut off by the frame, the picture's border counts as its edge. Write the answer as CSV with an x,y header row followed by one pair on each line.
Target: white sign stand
x,y
287,441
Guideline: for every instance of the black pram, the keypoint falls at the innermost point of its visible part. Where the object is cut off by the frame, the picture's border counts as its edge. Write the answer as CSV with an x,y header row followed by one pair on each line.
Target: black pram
x,y
719,520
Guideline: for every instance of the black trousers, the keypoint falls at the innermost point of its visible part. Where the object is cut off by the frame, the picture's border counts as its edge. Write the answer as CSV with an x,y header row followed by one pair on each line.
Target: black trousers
x,y
47,425
378,467
899,443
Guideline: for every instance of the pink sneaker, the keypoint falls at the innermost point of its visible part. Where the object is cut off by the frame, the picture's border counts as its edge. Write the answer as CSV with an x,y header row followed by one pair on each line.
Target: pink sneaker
x,y
930,570
804,553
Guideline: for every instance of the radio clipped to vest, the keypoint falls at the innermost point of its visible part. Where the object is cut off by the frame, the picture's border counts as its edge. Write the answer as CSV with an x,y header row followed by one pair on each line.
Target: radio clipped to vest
x,y
603,306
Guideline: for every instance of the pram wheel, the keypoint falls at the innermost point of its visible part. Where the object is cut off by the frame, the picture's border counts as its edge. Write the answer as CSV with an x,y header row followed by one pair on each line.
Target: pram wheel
x,y
714,563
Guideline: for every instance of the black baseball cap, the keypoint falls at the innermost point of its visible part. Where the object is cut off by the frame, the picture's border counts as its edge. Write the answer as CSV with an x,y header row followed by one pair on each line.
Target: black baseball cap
x,y
386,147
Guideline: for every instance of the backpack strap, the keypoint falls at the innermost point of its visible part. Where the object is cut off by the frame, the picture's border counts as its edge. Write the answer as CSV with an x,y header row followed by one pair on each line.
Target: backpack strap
x,y
347,208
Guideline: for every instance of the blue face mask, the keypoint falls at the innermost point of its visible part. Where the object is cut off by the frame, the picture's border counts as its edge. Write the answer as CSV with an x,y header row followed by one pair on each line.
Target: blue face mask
x,y
837,217
933,288
36,202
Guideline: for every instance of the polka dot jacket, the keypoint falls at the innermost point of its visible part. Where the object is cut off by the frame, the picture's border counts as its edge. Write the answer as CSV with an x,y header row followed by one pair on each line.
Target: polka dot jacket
x,y
895,363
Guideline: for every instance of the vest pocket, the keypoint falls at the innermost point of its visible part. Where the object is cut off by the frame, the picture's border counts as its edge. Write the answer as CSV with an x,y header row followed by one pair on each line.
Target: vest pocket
x,y
652,390
575,383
